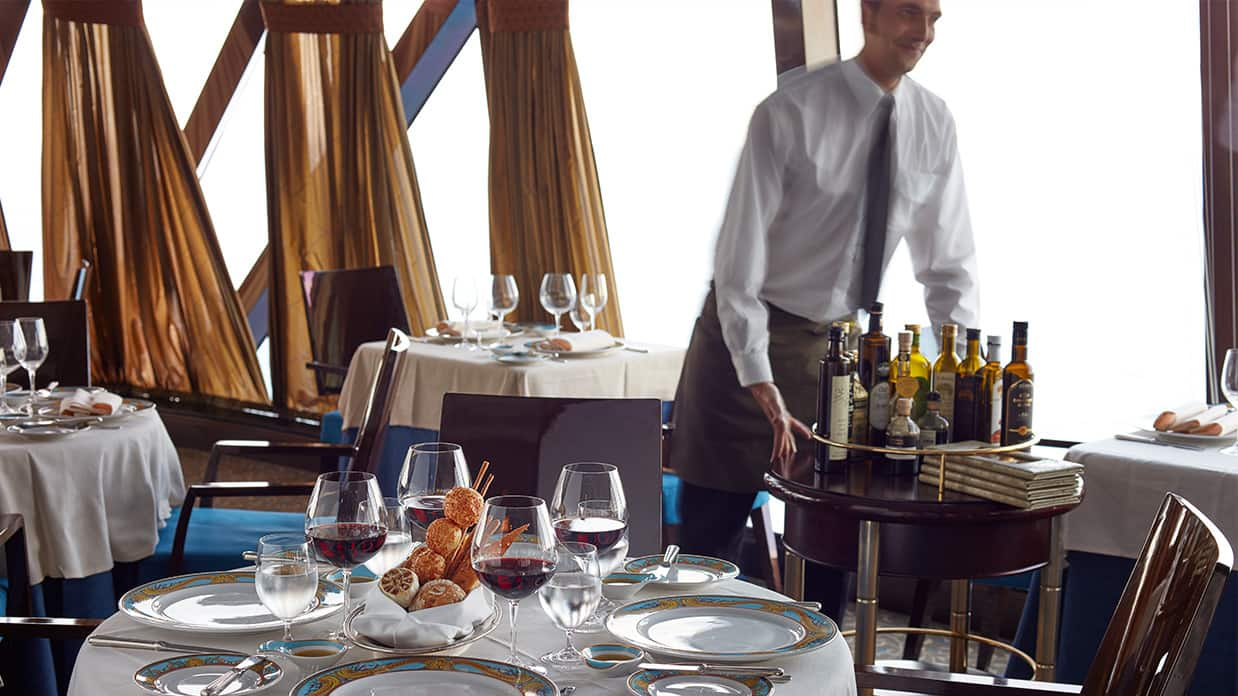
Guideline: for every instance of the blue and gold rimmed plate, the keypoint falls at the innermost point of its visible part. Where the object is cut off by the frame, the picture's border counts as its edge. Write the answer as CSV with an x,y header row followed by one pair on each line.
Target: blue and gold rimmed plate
x,y
187,675
653,682
217,603
721,628
691,572
394,676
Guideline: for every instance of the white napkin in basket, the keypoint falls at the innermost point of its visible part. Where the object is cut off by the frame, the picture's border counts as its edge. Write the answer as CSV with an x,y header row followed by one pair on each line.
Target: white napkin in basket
x,y
390,624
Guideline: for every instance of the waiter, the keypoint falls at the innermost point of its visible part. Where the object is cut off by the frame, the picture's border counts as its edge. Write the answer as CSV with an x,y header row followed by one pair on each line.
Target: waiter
x,y
839,165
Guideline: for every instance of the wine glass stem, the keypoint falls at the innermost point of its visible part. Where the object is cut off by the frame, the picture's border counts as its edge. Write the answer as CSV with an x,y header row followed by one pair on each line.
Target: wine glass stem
x,y
513,606
30,371
287,629
558,318
570,648
347,573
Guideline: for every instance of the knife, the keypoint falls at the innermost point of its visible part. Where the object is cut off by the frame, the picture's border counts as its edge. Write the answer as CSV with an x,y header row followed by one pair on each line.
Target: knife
x,y
1153,441
774,672
106,641
217,687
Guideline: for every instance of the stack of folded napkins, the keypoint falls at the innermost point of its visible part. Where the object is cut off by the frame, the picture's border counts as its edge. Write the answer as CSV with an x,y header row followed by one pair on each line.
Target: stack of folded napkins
x,y
1197,418
392,625
1015,478
585,340
488,328
84,403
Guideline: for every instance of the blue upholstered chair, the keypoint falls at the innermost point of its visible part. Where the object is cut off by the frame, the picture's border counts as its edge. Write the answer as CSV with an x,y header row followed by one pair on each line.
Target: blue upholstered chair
x,y
220,535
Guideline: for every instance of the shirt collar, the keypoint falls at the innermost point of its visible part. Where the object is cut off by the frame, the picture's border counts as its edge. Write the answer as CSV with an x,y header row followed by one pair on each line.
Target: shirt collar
x,y
867,92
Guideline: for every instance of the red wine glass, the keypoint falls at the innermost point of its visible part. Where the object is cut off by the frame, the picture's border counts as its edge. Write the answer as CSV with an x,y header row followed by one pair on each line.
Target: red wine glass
x,y
513,553
431,469
345,523
589,506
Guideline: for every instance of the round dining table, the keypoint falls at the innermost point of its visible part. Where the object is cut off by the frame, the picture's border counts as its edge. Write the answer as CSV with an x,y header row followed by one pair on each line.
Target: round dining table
x,y
100,671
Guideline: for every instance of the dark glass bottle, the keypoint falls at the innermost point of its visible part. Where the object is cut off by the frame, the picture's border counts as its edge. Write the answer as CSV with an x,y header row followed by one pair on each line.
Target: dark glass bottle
x,y
902,433
833,403
1017,391
874,348
880,406
991,393
934,429
967,392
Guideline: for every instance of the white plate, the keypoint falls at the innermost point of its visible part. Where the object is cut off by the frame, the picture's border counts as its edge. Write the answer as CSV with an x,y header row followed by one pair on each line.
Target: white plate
x,y
440,676
720,628
659,683
187,675
480,631
508,331
541,347
692,572
1187,438
217,603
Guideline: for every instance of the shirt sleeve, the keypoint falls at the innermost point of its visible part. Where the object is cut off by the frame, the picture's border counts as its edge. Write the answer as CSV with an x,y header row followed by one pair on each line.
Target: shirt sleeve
x,y
741,259
943,252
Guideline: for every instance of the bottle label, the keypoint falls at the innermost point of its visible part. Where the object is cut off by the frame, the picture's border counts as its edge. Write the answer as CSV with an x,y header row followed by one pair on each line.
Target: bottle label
x,y
928,438
902,441
879,406
995,412
859,416
1018,425
943,383
907,387
840,413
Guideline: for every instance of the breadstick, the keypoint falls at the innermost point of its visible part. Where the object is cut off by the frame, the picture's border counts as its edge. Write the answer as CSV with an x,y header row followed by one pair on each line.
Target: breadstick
x,y
481,474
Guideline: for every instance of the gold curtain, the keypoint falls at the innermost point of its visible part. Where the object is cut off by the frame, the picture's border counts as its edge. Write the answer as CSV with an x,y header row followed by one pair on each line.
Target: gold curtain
x,y
4,232
341,188
119,189
545,202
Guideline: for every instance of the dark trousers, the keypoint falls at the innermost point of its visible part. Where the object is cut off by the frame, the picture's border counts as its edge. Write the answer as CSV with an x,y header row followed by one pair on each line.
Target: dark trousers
x,y
713,525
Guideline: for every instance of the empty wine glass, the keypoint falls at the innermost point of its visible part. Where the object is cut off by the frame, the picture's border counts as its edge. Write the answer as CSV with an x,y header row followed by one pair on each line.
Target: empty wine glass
x,y
1229,388
504,296
35,337
571,597
464,298
286,577
431,469
558,294
345,522
399,541
514,564
593,295
12,352
579,318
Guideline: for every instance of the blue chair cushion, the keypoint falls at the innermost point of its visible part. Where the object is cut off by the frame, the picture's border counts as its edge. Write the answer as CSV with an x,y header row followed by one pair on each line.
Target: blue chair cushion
x,y
672,490
216,539
332,428
4,595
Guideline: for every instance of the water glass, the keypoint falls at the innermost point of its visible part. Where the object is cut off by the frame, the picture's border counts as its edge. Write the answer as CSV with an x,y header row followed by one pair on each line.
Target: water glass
x,y
558,294
593,295
579,317
399,542
1229,388
286,578
504,296
464,298
345,521
571,597
35,338
12,351
431,469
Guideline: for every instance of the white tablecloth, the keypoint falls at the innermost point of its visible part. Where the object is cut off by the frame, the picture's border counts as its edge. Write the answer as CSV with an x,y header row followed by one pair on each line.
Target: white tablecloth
x,y
428,371
1126,483
107,671
92,498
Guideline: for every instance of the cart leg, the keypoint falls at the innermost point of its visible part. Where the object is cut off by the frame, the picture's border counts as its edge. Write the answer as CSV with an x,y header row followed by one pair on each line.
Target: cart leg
x,y
960,623
866,596
1050,603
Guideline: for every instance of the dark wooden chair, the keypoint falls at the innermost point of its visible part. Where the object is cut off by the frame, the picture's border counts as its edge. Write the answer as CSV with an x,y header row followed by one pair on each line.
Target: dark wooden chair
x,y
15,275
528,440
1156,633
221,530
79,281
343,309
68,340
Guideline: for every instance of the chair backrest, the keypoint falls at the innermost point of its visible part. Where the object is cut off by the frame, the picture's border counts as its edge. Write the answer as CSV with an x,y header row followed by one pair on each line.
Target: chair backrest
x,y
15,275
528,440
345,308
1157,631
368,445
79,281
68,341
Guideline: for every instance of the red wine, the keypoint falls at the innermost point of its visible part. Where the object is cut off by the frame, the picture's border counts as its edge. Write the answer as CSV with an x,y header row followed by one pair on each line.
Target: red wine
x,y
347,544
421,510
514,578
602,532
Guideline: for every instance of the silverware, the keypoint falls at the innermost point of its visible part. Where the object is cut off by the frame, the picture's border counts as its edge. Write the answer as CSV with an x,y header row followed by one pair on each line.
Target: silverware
x,y
107,641
1153,441
666,567
216,687
772,673
814,606
636,350
567,690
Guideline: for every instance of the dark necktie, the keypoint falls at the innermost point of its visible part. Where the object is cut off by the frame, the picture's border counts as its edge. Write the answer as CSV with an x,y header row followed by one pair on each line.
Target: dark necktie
x,y
876,202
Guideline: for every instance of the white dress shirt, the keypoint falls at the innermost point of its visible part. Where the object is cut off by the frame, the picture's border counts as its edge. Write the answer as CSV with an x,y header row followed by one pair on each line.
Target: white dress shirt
x,y
793,232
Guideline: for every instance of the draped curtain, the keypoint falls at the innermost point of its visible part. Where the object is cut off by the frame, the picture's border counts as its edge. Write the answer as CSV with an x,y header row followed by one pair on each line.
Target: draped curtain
x,y
119,189
545,202
12,14
341,187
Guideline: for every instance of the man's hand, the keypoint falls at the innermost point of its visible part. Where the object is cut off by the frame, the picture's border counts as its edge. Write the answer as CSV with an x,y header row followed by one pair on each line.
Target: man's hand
x,y
786,427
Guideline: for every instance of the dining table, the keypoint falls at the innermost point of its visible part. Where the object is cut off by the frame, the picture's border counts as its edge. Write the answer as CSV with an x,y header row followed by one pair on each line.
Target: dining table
x,y
104,671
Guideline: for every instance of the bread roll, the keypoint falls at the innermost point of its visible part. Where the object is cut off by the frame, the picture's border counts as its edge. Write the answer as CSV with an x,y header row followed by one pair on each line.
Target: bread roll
x,y
443,536
463,506
429,566
400,584
436,593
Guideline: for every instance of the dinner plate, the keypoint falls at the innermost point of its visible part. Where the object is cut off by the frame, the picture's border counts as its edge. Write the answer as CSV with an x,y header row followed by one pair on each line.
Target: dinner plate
x,y
509,330
721,628
544,349
480,631
692,572
187,675
448,676
654,682
217,603
128,407
42,428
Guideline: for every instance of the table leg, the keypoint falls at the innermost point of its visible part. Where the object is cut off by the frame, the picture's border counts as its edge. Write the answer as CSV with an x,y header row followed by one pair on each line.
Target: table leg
x,y
1050,604
793,575
960,623
866,596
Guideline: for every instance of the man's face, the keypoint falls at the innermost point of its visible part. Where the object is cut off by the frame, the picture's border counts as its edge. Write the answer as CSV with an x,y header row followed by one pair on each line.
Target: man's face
x,y
897,32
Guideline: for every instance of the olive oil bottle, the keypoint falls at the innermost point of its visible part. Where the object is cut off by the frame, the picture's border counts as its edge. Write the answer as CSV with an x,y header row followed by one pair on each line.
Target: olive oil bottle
x,y
874,348
833,403
967,391
991,394
1017,391
945,371
922,370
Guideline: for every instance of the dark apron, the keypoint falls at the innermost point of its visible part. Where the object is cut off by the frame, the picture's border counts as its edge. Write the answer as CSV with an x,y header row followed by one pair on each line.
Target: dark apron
x,y
722,440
